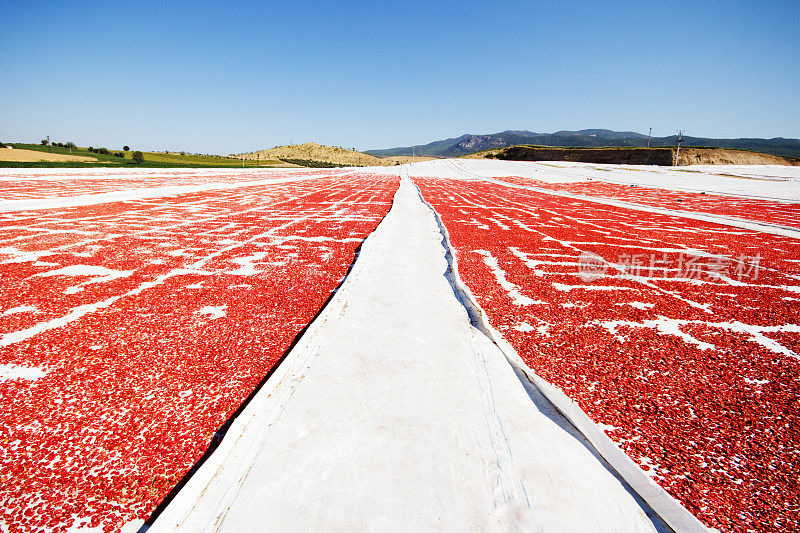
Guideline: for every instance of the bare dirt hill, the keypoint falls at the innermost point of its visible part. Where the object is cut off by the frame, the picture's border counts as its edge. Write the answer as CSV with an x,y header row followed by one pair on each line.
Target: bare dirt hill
x,y
329,154
320,153
635,156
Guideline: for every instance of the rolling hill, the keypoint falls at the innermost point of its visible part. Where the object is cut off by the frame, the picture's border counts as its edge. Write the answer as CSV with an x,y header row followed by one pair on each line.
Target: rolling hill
x,y
313,154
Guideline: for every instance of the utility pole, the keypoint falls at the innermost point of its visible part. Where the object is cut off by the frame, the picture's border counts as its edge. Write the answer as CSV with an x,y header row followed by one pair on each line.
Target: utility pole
x,y
678,151
648,136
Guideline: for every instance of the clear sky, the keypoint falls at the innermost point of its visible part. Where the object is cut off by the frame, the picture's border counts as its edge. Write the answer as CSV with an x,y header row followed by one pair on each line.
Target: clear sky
x,y
224,77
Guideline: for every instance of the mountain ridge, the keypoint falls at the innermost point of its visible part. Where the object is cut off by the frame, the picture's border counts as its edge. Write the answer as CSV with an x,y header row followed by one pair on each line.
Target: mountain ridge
x,y
595,138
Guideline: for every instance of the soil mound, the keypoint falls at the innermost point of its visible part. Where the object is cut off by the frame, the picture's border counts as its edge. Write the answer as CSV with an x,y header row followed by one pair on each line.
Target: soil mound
x,y
635,156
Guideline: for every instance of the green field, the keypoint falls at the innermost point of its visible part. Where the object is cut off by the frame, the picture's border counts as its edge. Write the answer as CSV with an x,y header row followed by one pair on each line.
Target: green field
x,y
151,159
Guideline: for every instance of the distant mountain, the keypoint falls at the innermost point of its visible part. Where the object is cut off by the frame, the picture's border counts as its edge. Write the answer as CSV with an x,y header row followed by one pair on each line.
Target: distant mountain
x,y
434,148
467,144
476,143
602,134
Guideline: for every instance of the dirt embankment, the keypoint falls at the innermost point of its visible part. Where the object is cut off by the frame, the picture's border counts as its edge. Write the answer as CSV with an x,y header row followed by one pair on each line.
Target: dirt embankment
x,y
20,155
664,156
403,159
724,156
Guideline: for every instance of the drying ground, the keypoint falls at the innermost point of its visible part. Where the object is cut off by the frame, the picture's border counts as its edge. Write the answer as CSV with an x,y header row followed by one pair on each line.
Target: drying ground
x,y
140,309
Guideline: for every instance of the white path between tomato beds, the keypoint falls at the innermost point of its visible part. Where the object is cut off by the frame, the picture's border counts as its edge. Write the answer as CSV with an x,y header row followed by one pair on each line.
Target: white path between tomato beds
x,y
394,413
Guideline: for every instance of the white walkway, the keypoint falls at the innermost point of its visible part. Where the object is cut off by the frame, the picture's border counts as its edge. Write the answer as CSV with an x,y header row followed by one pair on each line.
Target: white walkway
x,y
394,414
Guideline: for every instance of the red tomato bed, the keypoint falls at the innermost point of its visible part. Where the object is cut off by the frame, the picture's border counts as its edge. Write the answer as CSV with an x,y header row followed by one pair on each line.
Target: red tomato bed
x,y
188,303
679,337
758,210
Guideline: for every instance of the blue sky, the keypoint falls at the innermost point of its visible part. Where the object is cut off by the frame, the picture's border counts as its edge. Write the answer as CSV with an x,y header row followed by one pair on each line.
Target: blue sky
x,y
224,77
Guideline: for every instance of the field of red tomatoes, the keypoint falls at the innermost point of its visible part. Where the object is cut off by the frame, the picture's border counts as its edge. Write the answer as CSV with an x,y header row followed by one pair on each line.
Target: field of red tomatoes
x,y
131,331
64,183
680,338
753,209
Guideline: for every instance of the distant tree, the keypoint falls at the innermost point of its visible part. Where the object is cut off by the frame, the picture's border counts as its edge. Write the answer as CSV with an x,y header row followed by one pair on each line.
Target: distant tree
x,y
44,142
91,149
103,151
138,157
2,145
70,144
126,148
